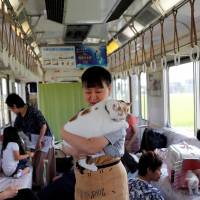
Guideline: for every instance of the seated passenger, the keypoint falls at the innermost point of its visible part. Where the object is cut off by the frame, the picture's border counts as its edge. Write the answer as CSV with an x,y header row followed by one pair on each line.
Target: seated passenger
x,y
131,140
149,167
12,193
14,159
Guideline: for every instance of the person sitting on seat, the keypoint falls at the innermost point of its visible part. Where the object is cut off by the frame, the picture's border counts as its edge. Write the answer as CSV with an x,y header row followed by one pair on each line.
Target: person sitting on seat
x,y
149,169
14,158
131,140
13,193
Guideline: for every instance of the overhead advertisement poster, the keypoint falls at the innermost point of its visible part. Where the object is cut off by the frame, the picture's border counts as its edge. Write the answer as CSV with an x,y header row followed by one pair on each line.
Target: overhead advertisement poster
x,y
59,57
87,56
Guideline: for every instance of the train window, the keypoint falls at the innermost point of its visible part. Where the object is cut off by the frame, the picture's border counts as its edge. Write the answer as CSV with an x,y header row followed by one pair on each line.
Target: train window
x,y
17,87
121,89
4,117
4,95
135,95
143,95
181,97
1,105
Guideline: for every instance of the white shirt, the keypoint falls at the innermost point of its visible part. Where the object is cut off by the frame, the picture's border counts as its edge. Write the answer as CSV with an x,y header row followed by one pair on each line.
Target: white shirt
x,y
9,164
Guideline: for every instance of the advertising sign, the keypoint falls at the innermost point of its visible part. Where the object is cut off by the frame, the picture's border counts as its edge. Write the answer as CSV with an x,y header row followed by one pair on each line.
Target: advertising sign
x,y
55,57
87,56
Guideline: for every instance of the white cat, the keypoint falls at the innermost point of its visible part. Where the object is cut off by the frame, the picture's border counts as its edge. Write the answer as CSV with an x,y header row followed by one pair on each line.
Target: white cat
x,y
192,182
98,120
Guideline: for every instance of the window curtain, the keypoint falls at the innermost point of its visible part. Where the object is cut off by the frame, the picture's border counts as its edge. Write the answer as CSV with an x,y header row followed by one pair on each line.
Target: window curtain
x,y
59,102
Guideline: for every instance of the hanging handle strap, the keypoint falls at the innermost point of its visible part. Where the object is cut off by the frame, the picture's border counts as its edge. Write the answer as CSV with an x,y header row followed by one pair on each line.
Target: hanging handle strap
x,y
193,33
176,41
152,52
195,51
136,54
162,47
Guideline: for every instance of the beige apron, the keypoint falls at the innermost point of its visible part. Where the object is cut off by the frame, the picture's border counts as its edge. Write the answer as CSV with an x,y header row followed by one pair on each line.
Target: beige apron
x,y
108,183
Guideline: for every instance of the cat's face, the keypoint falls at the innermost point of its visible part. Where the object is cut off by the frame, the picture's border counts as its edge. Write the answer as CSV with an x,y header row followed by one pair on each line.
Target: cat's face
x,y
118,110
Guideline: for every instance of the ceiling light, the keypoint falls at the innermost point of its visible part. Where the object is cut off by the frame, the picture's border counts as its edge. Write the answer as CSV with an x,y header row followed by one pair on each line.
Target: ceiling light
x,y
166,5
128,32
112,46
36,49
17,5
91,40
26,27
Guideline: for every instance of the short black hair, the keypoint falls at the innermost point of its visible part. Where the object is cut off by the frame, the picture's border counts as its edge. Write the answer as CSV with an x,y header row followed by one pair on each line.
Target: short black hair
x,y
149,160
95,76
14,99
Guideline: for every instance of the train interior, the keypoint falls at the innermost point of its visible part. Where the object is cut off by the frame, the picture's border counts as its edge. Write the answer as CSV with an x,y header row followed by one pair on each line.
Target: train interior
x,y
150,47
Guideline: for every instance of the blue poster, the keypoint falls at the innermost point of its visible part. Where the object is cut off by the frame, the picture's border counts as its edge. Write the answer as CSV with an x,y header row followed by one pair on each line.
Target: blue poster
x,y
87,56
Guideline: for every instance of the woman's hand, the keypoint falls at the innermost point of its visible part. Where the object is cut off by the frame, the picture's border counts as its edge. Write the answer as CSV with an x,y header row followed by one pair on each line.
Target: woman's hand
x,y
129,147
9,192
40,144
86,146
31,154
69,150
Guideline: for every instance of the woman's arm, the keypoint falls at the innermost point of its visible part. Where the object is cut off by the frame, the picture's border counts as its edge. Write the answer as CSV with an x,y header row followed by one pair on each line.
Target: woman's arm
x,y
132,139
84,145
17,155
71,151
8,193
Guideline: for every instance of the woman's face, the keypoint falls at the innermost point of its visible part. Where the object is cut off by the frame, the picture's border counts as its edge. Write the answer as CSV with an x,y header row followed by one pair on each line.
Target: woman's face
x,y
96,94
155,176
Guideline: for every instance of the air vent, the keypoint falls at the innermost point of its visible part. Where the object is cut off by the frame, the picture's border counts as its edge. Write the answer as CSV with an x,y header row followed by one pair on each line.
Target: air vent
x,y
76,33
119,10
147,16
55,10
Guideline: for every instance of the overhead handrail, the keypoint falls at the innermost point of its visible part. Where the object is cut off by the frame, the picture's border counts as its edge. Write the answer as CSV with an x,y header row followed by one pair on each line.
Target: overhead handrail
x,y
130,71
144,65
136,53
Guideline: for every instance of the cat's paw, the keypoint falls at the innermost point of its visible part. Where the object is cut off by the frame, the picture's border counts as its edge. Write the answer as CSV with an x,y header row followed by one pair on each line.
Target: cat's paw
x,y
91,167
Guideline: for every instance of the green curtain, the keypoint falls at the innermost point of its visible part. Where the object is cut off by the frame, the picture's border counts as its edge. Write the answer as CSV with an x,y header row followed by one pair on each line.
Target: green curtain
x,y
59,102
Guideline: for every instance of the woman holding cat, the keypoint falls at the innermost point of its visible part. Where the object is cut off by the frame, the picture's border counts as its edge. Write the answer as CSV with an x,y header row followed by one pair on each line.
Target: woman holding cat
x,y
110,179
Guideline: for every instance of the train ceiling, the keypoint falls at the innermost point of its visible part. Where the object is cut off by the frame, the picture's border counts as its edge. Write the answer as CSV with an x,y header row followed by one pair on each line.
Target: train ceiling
x,y
63,22
68,22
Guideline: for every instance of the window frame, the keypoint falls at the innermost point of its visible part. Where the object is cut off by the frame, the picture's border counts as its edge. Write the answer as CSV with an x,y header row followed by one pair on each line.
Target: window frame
x,y
196,93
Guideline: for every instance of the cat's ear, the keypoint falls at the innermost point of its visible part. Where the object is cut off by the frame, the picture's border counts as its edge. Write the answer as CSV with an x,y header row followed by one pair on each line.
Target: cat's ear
x,y
128,104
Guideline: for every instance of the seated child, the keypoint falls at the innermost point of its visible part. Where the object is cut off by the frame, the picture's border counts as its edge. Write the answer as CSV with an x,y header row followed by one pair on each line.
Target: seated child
x,y
14,158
